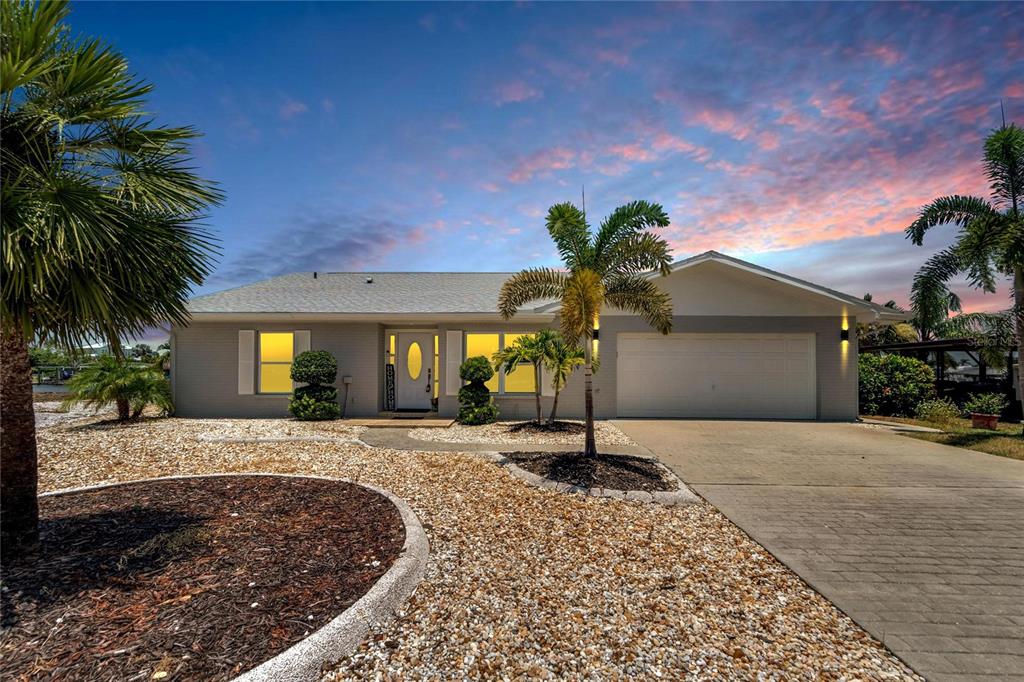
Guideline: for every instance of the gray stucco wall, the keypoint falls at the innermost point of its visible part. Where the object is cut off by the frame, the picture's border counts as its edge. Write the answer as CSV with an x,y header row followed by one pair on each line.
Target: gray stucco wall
x,y
205,365
205,368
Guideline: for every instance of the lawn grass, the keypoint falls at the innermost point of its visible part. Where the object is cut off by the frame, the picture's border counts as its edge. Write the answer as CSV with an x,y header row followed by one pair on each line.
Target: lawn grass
x,y
1005,441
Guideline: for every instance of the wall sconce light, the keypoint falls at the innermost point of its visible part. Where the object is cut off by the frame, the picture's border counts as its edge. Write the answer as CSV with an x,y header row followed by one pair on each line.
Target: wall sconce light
x,y
844,335
595,335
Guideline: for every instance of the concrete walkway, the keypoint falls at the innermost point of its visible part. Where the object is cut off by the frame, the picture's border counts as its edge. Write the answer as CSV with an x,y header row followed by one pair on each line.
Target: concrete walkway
x,y
399,439
922,544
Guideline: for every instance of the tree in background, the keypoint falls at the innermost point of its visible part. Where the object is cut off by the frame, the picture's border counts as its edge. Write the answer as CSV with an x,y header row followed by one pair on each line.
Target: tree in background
x,y
606,268
130,386
873,334
990,244
101,214
142,352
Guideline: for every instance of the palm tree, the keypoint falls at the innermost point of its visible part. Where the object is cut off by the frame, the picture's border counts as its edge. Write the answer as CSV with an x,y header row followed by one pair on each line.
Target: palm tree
x,y
871,334
530,349
129,386
101,221
990,243
601,269
561,359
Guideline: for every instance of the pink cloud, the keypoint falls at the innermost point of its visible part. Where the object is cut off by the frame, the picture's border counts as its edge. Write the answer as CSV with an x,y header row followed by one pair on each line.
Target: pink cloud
x,y
666,142
292,108
842,107
631,152
489,187
1014,90
542,162
726,122
515,91
609,56
887,54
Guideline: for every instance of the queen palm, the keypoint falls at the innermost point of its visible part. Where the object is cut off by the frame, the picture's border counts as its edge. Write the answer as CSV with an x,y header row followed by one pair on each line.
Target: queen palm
x,y
527,349
602,268
990,244
560,360
100,215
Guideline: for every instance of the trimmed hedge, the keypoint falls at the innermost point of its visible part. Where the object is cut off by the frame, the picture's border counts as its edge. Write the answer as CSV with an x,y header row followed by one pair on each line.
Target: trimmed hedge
x,y
475,403
893,385
315,401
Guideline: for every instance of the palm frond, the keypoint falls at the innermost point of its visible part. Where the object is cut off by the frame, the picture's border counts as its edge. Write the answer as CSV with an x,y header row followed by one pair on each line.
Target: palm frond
x,y
638,253
930,296
642,297
568,229
534,284
624,222
954,209
1004,166
582,299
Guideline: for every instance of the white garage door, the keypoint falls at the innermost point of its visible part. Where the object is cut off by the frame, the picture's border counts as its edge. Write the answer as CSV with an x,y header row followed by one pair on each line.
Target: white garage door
x,y
716,375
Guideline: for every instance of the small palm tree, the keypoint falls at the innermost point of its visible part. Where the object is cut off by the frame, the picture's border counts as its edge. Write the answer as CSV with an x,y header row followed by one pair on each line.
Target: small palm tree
x,y
129,386
528,349
101,215
561,359
871,334
990,244
601,269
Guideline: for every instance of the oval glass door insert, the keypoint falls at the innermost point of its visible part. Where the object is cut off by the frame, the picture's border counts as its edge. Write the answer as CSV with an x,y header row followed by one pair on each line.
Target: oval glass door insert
x,y
414,361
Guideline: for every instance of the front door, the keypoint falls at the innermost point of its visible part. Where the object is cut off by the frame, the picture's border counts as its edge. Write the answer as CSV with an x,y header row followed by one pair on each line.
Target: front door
x,y
414,368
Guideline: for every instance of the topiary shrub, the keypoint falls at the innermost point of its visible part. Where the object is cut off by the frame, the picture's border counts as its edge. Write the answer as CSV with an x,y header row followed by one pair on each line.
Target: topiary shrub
x,y
893,385
317,401
475,403
941,411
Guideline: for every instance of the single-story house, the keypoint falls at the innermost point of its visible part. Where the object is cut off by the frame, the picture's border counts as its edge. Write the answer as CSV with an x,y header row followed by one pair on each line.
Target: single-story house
x,y
747,342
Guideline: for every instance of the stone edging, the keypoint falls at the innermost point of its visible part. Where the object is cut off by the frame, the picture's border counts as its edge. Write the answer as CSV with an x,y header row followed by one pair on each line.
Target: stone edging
x,y
669,498
277,439
341,636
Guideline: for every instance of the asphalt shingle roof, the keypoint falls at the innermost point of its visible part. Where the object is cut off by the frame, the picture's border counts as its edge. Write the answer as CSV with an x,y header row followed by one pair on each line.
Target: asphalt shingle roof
x,y
349,292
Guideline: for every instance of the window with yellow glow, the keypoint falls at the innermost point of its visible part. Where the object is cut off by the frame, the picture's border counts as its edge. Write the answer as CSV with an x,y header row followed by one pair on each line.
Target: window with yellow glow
x,y
522,378
437,367
276,350
414,361
486,345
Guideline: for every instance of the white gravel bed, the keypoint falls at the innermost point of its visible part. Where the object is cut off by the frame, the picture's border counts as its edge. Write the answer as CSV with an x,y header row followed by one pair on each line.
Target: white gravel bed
x,y
507,433
50,413
527,582
255,429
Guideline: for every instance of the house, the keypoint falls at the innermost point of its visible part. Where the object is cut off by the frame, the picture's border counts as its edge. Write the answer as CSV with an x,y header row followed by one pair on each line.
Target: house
x,y
747,342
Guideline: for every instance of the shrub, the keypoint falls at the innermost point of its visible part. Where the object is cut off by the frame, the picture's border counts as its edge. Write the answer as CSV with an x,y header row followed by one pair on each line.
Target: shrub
x,y
941,411
315,401
128,386
306,408
475,403
314,367
985,403
893,385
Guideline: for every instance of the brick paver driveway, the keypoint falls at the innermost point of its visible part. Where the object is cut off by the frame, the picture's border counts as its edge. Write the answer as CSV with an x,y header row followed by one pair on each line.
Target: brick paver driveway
x,y
922,544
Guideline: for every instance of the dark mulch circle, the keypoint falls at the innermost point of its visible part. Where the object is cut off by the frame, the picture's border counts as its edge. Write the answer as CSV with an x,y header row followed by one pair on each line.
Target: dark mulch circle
x,y
555,427
618,472
199,578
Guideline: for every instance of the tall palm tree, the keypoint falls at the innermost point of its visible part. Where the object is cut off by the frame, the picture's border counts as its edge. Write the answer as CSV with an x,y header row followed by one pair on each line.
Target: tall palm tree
x,y
990,244
101,220
561,359
602,268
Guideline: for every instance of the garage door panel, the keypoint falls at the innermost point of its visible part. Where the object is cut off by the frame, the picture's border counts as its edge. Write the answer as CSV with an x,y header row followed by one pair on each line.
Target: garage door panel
x,y
717,375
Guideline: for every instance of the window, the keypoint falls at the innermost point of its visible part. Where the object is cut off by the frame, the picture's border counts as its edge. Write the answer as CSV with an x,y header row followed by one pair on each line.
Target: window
x,y
276,350
519,380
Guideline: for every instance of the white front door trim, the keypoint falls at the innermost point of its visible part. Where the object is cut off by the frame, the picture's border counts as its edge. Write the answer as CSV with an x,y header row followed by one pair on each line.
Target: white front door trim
x,y
414,390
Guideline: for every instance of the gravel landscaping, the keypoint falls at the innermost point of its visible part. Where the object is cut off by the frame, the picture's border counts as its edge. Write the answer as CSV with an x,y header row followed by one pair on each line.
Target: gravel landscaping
x,y
190,578
511,433
523,581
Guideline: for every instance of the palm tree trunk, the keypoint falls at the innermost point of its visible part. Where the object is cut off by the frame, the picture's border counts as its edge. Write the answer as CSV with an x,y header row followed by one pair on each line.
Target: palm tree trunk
x,y
1018,319
536,391
19,506
590,448
554,407
123,412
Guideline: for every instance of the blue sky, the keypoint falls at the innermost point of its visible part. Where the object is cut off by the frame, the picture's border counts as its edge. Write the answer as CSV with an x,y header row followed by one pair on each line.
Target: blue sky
x,y
434,136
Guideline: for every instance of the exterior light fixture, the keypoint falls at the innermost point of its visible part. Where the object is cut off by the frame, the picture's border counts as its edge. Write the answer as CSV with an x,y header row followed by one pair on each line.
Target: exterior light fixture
x,y
844,335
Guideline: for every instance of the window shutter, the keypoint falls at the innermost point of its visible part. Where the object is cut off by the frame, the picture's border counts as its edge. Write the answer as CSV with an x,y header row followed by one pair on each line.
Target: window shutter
x,y
300,341
246,356
545,377
453,358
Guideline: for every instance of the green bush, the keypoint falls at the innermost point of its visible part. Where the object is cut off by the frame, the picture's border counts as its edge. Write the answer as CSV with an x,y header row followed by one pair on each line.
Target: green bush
x,y
893,385
940,411
314,367
985,403
128,386
476,404
315,401
311,409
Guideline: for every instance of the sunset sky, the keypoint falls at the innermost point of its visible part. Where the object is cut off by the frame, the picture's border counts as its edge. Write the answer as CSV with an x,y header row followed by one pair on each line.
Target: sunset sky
x,y
434,136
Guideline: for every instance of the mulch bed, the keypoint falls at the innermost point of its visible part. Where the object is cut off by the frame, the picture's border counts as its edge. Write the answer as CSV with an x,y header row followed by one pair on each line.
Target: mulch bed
x,y
555,427
618,472
200,578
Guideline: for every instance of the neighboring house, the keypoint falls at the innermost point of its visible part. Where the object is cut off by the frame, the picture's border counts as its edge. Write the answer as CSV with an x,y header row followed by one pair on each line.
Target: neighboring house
x,y
747,342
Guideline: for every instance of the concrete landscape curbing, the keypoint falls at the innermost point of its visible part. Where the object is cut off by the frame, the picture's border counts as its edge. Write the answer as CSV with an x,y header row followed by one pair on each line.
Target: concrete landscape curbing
x,y
341,636
669,498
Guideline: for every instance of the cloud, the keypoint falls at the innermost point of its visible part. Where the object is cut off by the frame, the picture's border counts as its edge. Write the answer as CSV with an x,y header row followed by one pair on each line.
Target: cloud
x,y
324,241
291,108
515,91
542,162
1014,90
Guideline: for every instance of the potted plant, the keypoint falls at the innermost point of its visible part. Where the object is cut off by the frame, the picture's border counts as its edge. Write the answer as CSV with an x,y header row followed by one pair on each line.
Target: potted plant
x,y
984,409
